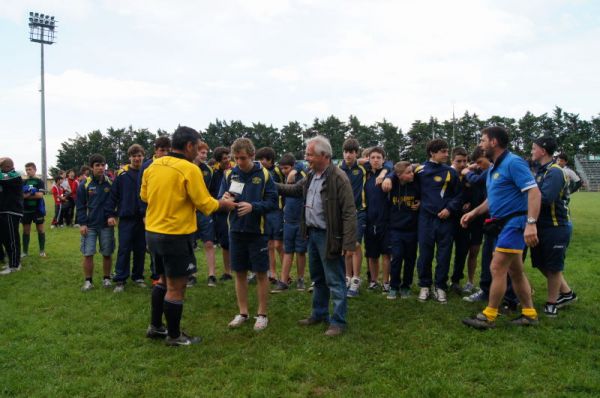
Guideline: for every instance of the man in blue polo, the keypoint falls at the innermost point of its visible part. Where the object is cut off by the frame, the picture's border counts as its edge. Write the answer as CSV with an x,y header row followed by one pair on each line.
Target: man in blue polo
x,y
513,201
554,230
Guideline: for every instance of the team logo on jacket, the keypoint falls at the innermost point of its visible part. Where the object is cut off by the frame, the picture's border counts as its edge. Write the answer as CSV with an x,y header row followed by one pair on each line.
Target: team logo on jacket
x,y
106,189
496,175
437,179
355,172
256,180
539,179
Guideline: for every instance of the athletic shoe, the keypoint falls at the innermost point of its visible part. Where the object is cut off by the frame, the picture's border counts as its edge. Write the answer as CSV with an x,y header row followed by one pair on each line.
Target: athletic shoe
x,y
455,287
392,294
476,297
183,339
87,286
251,278
261,323
350,293
75,225
120,288
348,279
565,299
238,321
141,283
334,331
524,321
280,287
212,281
508,308
354,285
52,226
423,294
468,288
311,287
310,321
225,277
404,292
479,322
24,254
551,310
440,296
272,281
106,283
300,286
373,285
386,288
156,333
10,270
191,281
43,254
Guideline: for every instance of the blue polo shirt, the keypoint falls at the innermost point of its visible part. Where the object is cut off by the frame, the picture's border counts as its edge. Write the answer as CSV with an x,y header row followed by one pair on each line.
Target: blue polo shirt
x,y
507,184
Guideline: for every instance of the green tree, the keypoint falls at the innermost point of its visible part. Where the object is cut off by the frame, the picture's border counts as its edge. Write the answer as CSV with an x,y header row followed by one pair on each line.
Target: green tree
x,y
335,130
292,139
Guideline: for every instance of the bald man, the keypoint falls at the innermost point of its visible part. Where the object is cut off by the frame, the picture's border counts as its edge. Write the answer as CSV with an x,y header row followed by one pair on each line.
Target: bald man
x,y
11,211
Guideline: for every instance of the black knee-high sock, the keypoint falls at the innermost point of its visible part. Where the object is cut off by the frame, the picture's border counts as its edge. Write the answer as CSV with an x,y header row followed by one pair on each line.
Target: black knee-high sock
x,y
157,300
25,243
42,240
173,312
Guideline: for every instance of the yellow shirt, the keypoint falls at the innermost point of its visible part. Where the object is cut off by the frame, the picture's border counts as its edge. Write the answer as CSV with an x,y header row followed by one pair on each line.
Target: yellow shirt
x,y
174,188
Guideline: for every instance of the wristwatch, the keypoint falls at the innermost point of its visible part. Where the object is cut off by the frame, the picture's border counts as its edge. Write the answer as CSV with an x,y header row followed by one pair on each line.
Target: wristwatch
x,y
531,220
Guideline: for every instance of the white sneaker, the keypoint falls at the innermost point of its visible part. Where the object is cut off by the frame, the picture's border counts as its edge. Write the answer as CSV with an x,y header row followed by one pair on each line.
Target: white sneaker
x,y
140,282
348,282
423,294
468,288
10,270
120,288
106,283
87,286
238,321
23,255
43,254
261,322
440,296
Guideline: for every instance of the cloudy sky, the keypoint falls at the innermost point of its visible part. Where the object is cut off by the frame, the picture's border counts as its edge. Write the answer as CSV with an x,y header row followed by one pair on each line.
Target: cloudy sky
x,y
156,64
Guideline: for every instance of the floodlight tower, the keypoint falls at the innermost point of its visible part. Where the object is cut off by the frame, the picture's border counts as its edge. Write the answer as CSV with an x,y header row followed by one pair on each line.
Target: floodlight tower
x,y
41,30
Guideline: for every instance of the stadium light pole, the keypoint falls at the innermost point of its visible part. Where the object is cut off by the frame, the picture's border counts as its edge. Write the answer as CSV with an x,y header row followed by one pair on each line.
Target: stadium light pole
x,y
41,30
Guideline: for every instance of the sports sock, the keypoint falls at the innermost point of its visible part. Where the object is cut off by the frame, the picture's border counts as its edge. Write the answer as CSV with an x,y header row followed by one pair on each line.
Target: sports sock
x,y
157,300
173,311
529,312
89,279
490,313
42,240
26,243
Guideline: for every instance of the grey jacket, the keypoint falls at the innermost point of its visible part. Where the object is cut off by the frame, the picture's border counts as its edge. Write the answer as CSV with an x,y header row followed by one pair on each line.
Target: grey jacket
x,y
340,210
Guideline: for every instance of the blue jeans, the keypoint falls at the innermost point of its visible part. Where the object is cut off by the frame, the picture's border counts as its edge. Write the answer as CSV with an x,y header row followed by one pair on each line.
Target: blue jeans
x,y
329,276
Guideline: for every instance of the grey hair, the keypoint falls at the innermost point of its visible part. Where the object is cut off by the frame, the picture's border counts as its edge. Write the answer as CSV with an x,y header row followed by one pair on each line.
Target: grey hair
x,y
322,145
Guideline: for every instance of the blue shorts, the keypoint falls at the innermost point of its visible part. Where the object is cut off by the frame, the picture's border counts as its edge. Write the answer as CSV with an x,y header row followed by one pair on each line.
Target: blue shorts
x,y
293,241
511,239
361,225
221,230
248,252
377,242
206,227
274,225
106,238
550,252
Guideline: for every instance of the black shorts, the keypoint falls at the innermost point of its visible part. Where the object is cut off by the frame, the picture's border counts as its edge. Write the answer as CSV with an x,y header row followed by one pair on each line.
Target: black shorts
x,y
35,217
475,231
377,241
173,255
550,252
249,252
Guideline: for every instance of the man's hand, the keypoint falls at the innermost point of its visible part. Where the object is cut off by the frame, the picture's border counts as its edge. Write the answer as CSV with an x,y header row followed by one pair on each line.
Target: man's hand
x,y
111,221
380,177
467,218
444,214
227,196
531,238
227,204
416,205
244,208
291,178
386,185
83,230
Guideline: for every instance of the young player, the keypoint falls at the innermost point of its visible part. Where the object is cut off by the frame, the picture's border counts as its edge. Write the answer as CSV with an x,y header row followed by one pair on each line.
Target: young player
x,y
252,188
91,217
34,209
293,242
59,200
461,239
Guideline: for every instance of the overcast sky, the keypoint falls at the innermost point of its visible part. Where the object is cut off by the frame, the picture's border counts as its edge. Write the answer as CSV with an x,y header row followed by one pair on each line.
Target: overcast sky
x,y
157,64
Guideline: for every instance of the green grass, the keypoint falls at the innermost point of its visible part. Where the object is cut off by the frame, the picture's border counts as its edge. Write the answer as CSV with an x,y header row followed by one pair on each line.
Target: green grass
x,y
58,341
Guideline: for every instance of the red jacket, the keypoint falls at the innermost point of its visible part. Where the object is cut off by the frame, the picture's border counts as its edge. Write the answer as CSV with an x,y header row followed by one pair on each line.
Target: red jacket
x,y
73,184
57,191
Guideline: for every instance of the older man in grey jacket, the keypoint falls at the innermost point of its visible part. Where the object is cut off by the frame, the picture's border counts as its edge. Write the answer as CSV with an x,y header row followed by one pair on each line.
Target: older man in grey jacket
x,y
329,221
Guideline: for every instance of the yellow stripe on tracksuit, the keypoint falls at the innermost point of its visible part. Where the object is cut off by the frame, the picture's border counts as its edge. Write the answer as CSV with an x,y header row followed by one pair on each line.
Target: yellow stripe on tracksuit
x,y
363,196
448,178
553,205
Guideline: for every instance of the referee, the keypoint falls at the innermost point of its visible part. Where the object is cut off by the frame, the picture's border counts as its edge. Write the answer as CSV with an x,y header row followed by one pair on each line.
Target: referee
x,y
173,188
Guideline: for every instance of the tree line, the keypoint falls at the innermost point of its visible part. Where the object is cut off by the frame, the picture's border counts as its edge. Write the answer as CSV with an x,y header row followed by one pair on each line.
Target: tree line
x,y
573,134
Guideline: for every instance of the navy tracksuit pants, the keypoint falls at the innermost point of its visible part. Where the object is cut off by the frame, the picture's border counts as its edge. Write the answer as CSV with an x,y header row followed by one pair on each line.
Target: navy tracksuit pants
x,y
434,232
461,250
131,239
485,279
403,245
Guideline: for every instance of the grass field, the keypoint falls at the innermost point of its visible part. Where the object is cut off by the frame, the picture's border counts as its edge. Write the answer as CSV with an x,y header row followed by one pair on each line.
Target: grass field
x,y
58,341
